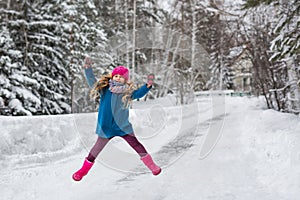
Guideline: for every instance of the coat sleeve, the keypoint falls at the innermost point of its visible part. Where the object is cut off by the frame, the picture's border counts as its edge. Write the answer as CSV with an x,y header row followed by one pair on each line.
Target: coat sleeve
x,y
90,77
139,93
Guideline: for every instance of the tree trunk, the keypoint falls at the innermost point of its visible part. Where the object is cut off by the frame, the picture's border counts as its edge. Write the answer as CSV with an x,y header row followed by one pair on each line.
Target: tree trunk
x,y
133,40
294,96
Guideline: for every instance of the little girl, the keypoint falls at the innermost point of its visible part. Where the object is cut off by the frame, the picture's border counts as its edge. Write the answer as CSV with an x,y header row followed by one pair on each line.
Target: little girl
x,y
116,95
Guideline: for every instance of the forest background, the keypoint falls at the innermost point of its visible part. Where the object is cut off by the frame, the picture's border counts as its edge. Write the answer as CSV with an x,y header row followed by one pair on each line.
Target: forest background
x,y
43,44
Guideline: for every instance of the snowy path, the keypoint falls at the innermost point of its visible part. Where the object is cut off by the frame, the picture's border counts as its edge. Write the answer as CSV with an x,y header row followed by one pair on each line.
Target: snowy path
x,y
257,156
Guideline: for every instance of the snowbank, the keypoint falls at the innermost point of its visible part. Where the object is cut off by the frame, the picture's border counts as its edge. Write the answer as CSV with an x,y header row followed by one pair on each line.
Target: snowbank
x,y
256,157
36,138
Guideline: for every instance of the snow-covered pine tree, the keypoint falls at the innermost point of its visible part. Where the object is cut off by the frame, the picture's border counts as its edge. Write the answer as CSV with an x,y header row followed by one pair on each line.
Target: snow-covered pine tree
x,y
17,84
44,56
37,85
51,46
16,98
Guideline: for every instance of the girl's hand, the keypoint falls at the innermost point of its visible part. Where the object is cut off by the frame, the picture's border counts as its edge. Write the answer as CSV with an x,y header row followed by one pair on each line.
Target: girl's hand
x,y
87,63
150,80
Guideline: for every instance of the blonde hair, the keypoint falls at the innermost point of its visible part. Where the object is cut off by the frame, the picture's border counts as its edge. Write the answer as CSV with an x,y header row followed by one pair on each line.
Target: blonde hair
x,y
104,82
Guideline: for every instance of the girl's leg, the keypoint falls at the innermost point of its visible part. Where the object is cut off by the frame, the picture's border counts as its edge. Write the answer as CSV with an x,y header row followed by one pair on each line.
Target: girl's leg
x,y
97,148
89,161
135,144
140,149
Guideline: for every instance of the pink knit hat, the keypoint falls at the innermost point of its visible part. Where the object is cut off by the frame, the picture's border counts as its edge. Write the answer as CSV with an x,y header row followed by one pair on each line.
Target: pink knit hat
x,y
121,70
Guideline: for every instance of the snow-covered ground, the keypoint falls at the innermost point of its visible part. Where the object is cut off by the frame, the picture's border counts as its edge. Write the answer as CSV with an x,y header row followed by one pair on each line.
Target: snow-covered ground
x,y
255,155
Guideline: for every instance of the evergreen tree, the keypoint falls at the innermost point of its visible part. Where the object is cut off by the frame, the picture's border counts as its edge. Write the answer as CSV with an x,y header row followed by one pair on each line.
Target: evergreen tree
x,y
13,79
51,38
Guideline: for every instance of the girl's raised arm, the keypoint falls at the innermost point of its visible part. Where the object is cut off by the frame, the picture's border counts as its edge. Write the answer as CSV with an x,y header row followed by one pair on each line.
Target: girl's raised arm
x,y
88,71
139,93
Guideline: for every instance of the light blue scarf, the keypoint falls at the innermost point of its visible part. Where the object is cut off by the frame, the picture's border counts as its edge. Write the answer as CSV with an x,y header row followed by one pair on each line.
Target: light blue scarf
x,y
116,87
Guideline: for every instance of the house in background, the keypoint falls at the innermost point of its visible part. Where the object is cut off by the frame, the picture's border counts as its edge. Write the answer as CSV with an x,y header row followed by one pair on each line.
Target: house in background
x,y
242,70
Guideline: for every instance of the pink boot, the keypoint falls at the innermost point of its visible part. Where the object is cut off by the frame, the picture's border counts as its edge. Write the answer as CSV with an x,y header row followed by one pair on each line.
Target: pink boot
x,y
87,165
147,159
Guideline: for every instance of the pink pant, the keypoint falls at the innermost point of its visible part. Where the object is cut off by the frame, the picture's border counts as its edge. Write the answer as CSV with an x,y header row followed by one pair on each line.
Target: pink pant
x,y
129,138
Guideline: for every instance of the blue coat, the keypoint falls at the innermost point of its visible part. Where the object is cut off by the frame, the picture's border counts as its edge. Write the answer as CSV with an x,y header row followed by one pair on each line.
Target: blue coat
x,y
112,116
